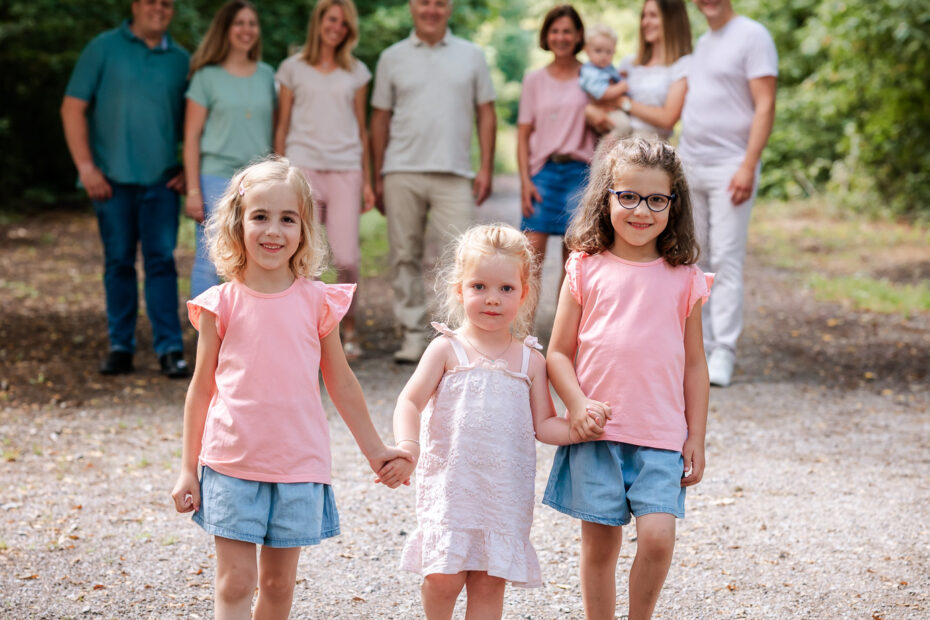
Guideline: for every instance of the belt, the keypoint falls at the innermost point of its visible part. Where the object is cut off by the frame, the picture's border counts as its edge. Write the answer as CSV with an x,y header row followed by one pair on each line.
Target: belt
x,y
561,158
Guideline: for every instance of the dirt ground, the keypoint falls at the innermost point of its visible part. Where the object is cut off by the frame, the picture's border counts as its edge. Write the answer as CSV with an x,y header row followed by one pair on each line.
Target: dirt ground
x,y
814,504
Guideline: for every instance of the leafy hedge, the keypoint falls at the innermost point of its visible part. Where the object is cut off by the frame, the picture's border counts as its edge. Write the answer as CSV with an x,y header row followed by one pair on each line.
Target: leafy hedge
x,y
853,101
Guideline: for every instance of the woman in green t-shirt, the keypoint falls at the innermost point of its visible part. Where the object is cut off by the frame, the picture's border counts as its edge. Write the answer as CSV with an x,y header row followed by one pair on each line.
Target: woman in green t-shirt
x,y
229,121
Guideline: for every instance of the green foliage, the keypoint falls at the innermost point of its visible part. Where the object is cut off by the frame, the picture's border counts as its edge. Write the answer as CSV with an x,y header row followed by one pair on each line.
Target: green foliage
x,y
853,100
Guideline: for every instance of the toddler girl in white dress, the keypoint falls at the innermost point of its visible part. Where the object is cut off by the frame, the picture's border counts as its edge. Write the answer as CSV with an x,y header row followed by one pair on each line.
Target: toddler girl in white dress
x,y
486,397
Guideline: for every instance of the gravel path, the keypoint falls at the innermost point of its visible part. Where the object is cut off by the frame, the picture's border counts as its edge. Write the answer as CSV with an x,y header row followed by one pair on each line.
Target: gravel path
x,y
814,504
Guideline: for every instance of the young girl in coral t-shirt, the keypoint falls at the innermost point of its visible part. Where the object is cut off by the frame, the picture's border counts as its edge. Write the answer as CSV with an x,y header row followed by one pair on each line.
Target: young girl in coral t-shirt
x,y
627,359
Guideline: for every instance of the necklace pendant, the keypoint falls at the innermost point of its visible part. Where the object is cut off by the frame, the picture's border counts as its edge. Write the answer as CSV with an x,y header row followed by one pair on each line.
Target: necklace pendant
x,y
248,114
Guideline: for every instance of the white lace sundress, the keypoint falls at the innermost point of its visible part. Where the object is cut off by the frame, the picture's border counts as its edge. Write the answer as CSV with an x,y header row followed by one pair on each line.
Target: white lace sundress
x,y
475,478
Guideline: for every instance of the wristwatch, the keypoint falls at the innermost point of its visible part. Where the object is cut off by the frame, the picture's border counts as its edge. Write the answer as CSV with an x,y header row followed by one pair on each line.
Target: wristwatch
x,y
626,104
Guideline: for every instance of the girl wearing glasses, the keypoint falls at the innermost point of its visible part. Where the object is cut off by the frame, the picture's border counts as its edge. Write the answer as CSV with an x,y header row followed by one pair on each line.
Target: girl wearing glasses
x,y
627,359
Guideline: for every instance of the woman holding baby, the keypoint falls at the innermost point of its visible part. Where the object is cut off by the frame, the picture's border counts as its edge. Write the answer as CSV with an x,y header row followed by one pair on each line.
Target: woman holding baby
x,y
655,76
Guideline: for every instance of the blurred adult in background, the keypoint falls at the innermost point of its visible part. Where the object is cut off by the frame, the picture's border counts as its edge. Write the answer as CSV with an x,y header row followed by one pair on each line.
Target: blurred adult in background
x,y
727,119
322,130
554,145
229,118
656,75
122,114
430,90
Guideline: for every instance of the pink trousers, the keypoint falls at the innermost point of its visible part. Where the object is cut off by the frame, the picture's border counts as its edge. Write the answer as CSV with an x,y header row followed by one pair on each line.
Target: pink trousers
x,y
337,195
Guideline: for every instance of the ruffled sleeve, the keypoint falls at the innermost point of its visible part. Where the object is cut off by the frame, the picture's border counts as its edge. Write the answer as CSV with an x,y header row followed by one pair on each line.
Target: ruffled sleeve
x,y
532,342
210,300
336,301
573,274
700,287
443,329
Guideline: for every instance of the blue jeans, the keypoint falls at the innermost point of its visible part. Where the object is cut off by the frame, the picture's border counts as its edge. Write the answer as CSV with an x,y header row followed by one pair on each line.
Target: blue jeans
x,y
203,273
146,214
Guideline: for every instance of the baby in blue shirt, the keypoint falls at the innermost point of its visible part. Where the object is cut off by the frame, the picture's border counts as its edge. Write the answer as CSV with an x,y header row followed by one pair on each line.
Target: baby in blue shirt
x,y
601,80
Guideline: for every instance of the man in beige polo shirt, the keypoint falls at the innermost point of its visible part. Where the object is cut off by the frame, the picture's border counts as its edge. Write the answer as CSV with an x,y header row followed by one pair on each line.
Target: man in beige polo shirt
x,y
430,90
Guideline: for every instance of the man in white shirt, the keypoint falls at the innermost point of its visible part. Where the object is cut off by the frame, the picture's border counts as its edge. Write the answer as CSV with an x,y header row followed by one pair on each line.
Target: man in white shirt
x,y
430,90
726,121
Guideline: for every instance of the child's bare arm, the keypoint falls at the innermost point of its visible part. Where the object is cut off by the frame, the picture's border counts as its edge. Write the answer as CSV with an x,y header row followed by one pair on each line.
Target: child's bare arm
x,y
346,393
585,415
549,427
414,398
186,492
697,394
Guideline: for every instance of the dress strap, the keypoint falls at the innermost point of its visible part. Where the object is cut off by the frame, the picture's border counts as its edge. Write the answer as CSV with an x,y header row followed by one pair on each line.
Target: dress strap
x,y
443,329
528,342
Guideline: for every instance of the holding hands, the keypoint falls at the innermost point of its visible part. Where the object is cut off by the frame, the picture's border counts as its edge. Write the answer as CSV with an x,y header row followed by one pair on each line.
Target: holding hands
x,y
393,466
587,418
398,471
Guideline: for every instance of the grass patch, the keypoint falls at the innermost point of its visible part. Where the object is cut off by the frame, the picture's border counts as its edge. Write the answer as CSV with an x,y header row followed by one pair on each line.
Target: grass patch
x,y
846,256
873,295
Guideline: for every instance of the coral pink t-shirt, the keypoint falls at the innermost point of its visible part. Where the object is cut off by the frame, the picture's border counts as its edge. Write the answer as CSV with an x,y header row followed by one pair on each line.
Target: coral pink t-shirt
x,y
266,420
631,342
555,109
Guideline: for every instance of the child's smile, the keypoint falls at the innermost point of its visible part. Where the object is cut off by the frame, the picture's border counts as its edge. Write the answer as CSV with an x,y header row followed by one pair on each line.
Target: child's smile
x,y
271,230
636,230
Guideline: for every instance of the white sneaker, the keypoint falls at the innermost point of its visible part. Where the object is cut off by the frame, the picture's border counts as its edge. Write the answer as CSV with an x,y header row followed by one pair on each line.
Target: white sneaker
x,y
412,349
720,367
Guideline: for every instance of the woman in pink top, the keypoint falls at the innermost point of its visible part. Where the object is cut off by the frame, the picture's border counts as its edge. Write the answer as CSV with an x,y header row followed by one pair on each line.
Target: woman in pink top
x,y
321,129
627,359
253,419
554,145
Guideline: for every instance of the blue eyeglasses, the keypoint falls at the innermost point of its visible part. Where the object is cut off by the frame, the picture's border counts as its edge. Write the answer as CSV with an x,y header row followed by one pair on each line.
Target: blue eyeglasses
x,y
629,199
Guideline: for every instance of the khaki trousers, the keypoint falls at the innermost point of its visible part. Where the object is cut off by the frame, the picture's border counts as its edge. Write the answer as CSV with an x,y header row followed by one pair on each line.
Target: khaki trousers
x,y
413,200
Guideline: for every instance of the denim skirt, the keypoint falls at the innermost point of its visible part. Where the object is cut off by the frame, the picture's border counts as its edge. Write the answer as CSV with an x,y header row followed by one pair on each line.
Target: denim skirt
x,y
560,184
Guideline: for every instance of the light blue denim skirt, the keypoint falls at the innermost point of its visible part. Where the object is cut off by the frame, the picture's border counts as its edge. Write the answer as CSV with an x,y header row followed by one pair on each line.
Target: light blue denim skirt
x,y
560,184
607,481
273,514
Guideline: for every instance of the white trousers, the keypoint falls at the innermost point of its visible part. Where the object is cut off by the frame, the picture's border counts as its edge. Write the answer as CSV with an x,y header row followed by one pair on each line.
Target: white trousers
x,y
722,229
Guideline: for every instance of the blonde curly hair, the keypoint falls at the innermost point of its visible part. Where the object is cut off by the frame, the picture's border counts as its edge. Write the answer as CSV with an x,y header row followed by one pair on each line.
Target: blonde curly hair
x,y
487,240
224,231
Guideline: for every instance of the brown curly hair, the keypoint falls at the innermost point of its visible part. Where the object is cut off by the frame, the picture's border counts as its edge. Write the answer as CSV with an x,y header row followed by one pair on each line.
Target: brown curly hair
x,y
590,229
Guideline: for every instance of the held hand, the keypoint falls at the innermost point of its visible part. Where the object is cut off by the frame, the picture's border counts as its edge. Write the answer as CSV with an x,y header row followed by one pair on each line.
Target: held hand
x,y
587,419
95,183
379,195
528,195
383,456
740,187
693,455
368,198
186,493
482,187
398,471
178,183
193,207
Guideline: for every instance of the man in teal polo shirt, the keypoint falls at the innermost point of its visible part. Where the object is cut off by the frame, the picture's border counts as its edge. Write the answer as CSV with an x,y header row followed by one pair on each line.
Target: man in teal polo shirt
x,y
122,115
